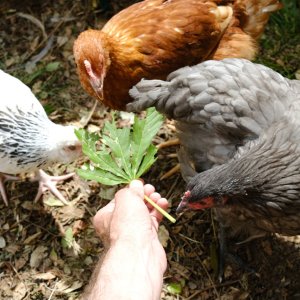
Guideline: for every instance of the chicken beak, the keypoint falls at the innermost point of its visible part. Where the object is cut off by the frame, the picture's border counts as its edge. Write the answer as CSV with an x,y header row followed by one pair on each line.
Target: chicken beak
x,y
99,92
96,81
197,205
98,86
183,205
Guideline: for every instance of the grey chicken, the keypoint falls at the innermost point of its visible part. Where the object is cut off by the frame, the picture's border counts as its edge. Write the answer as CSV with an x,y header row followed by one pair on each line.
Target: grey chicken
x,y
29,141
239,126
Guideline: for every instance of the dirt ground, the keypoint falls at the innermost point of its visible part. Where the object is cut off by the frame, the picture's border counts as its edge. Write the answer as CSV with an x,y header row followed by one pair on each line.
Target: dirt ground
x,y
48,251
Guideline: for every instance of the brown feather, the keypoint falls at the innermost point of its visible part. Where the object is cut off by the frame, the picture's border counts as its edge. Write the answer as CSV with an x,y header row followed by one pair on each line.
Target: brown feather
x,y
152,38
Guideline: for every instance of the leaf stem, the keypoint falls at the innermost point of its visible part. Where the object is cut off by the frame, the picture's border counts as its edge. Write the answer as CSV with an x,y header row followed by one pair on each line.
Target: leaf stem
x,y
163,212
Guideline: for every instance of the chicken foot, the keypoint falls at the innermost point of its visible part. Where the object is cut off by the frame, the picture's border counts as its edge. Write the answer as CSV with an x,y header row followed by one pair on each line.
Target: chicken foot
x,y
47,182
3,179
176,168
171,172
225,256
169,143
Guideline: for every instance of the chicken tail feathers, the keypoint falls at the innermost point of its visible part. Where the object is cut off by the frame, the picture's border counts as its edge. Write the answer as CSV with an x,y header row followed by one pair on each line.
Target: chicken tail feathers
x,y
148,93
258,13
250,19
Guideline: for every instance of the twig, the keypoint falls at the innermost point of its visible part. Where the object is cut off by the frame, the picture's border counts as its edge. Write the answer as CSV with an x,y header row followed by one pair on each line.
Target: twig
x,y
163,212
193,295
18,275
51,33
53,290
44,51
88,210
41,227
211,287
213,224
191,240
89,116
172,187
35,21
208,275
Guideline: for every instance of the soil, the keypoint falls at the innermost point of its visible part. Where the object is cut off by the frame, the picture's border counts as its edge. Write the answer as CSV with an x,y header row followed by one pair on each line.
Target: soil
x,y
48,251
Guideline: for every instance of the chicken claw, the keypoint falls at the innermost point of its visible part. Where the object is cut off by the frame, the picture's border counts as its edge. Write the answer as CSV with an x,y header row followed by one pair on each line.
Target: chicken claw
x,y
48,182
3,179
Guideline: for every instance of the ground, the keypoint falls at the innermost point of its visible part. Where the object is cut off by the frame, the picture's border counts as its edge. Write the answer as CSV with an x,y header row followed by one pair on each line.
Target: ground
x,y
49,251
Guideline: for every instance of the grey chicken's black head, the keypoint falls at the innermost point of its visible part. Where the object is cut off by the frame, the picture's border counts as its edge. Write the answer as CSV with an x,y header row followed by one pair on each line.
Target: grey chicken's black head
x,y
211,188
264,173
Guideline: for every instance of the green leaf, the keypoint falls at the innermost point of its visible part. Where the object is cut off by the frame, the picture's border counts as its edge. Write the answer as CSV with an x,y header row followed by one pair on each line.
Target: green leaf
x,y
101,176
105,162
143,133
49,108
53,202
118,140
174,288
52,66
102,159
87,139
148,161
120,155
67,240
123,155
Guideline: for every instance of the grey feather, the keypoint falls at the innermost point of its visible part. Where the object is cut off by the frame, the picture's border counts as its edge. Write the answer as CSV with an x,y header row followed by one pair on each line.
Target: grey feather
x,y
243,117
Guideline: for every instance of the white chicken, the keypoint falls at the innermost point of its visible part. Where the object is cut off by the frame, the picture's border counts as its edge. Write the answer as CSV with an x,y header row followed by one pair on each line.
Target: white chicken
x,y
29,141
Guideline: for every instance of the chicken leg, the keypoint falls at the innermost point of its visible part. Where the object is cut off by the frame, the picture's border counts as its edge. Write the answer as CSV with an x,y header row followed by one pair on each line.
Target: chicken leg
x,y
3,179
226,256
176,168
169,143
47,182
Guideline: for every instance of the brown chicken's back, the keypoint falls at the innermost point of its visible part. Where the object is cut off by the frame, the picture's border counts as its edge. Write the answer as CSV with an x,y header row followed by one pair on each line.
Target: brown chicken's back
x,y
152,38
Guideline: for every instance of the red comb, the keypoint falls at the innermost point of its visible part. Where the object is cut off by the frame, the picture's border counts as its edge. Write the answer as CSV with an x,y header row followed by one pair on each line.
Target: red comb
x,y
187,194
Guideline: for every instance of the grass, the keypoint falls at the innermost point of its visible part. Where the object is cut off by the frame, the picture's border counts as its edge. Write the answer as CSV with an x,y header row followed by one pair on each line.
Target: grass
x,y
280,44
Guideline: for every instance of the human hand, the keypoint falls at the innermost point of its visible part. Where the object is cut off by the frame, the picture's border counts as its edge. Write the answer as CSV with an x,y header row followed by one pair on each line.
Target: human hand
x,y
128,225
128,216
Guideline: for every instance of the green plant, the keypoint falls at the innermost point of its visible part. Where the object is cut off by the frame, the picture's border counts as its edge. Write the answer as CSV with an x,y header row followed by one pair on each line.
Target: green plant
x,y
120,155
279,44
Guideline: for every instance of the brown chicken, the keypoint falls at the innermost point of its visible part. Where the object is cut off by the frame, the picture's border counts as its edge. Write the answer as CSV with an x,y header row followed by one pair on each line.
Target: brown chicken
x,y
152,38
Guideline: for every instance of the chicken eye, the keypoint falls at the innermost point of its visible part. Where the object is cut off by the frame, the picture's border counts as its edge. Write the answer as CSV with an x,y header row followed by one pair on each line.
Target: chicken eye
x,y
72,148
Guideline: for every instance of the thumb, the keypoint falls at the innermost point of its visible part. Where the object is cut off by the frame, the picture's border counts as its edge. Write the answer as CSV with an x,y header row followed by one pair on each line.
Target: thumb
x,y
137,187
130,197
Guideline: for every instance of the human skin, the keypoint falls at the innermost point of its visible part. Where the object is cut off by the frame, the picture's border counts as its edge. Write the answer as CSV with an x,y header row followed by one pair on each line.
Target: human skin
x,y
135,261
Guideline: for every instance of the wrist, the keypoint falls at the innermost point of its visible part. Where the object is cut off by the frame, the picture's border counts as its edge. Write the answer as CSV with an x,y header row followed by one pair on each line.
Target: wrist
x,y
128,271
148,250
131,239
133,235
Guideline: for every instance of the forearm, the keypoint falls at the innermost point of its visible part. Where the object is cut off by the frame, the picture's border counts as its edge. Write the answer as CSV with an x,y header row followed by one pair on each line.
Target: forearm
x,y
125,274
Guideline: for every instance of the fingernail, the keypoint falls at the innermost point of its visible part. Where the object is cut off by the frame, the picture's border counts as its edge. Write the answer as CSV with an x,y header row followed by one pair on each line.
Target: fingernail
x,y
136,184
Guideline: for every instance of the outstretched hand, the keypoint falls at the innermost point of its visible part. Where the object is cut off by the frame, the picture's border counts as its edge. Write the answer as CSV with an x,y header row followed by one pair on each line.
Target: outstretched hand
x,y
128,216
135,261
